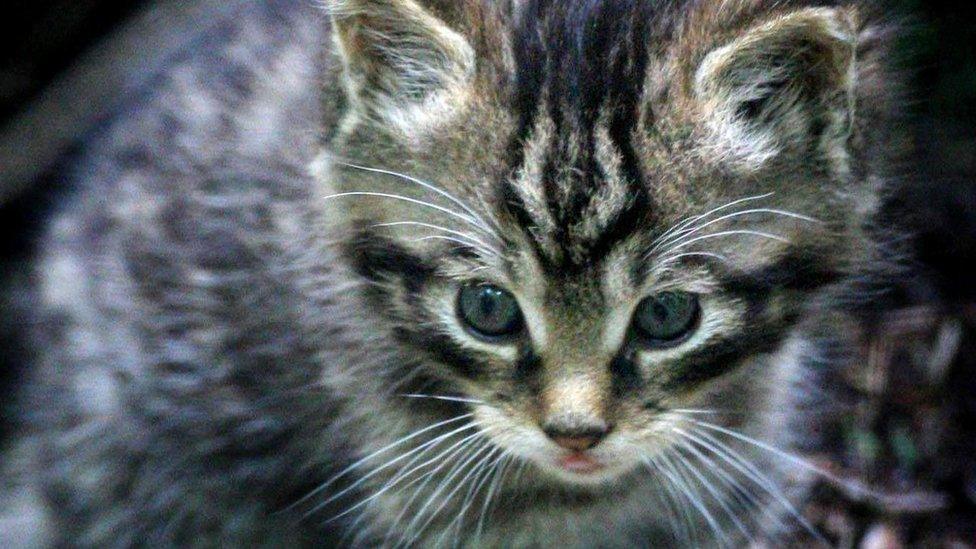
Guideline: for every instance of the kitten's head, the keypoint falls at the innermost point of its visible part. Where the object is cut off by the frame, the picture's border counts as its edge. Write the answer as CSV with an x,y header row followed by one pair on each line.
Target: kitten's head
x,y
583,215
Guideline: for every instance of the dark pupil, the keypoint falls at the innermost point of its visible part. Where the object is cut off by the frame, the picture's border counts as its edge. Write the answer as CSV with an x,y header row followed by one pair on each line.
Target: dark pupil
x,y
490,310
667,316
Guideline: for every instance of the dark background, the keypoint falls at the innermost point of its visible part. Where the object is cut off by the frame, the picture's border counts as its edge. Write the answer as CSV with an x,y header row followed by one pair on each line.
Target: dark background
x,y
41,39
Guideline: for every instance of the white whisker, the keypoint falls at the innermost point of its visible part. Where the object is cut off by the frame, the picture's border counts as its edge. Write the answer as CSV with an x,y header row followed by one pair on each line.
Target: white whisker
x,y
471,474
682,483
691,411
427,479
386,448
796,460
447,398
734,215
442,209
715,493
673,259
750,498
462,242
434,459
429,186
379,469
414,529
461,234
677,504
751,472
720,234
492,489
477,482
405,473
694,219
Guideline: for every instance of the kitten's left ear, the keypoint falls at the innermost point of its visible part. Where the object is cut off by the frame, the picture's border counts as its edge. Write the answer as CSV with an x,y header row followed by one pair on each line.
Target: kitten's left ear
x,y
783,85
398,54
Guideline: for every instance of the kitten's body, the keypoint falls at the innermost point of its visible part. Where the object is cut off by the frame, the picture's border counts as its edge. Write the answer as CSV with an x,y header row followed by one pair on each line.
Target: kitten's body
x,y
210,356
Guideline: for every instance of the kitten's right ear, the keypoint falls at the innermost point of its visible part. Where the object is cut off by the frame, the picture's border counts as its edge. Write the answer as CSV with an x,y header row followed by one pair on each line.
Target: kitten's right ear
x,y
397,54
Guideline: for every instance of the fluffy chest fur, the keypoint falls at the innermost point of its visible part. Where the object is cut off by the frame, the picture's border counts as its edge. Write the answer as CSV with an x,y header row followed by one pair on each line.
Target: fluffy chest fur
x,y
462,273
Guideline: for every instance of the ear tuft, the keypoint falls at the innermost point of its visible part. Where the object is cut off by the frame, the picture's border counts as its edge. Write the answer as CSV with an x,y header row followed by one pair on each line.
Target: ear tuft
x,y
396,53
788,82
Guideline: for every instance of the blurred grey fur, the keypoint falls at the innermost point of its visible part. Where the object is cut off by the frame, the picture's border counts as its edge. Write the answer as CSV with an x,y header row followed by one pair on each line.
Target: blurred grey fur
x,y
202,151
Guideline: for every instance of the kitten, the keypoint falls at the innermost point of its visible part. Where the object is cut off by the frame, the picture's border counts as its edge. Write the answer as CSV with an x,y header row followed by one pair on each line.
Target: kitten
x,y
422,272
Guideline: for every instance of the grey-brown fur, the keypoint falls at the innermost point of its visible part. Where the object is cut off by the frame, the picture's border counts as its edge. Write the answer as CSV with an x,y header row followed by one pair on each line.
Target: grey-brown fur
x,y
234,304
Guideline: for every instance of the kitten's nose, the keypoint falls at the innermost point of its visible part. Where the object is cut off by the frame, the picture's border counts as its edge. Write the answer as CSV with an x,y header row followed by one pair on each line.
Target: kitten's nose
x,y
577,438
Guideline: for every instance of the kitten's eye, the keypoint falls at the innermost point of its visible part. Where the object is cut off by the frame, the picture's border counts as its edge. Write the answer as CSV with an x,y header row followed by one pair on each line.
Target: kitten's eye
x,y
489,311
665,319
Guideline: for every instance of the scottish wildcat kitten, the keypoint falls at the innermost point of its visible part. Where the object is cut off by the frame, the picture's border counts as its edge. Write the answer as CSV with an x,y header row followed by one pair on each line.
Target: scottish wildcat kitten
x,y
481,272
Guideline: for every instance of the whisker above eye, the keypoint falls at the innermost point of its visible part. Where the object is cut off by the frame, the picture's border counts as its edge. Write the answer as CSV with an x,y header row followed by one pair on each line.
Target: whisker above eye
x,y
467,219
429,186
465,243
734,215
444,397
668,260
721,234
681,225
462,234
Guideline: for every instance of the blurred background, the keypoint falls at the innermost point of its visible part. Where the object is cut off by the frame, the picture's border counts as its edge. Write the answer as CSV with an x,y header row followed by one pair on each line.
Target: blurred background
x,y
67,67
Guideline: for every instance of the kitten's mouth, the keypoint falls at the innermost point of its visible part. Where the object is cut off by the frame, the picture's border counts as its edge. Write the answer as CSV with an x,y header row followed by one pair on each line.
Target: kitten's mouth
x,y
579,463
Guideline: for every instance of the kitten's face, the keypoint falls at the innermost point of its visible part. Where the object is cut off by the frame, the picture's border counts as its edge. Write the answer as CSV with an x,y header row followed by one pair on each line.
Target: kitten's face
x,y
582,231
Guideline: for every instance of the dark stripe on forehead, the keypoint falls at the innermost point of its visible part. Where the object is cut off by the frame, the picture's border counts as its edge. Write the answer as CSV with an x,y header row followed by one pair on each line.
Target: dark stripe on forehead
x,y
586,61
594,51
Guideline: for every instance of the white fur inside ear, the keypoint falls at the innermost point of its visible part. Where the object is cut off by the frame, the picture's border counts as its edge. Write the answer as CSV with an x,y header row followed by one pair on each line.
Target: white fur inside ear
x,y
734,141
769,69
412,122
405,68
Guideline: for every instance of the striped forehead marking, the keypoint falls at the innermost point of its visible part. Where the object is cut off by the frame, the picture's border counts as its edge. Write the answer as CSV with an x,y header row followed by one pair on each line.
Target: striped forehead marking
x,y
580,72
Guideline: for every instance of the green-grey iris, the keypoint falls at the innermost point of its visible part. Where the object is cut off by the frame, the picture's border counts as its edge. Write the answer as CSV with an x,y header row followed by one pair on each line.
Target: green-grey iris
x,y
667,318
489,311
